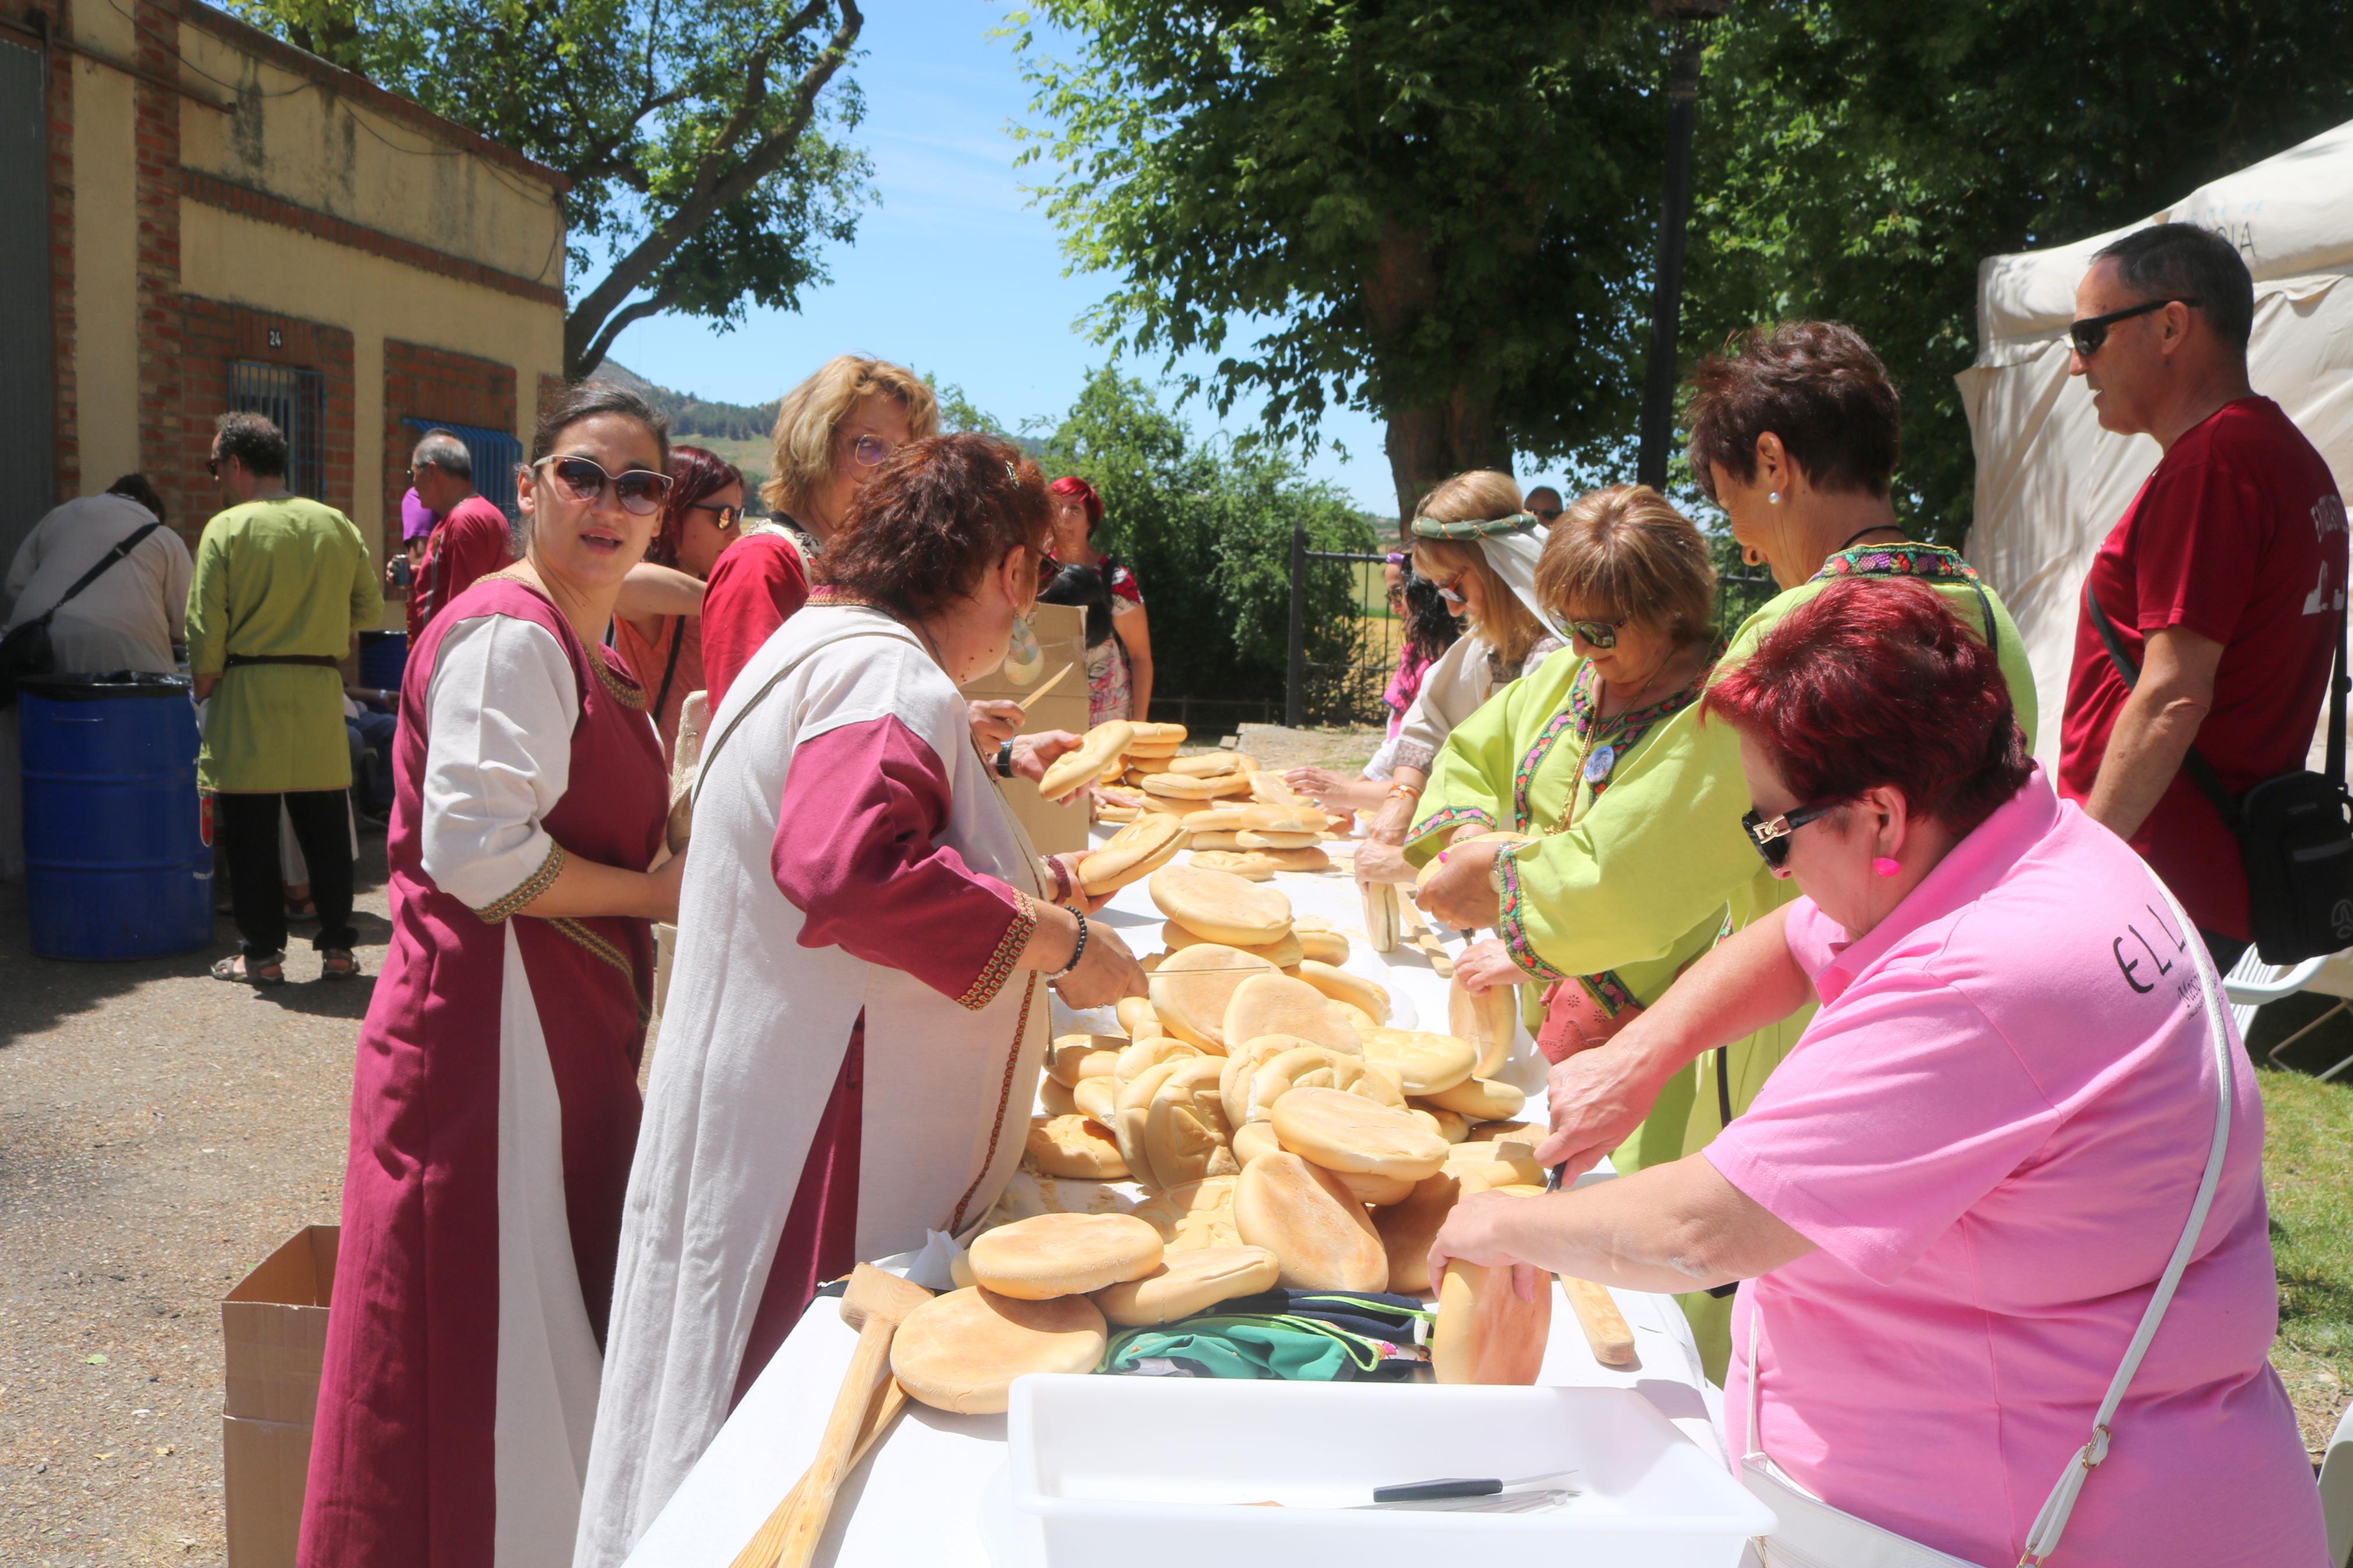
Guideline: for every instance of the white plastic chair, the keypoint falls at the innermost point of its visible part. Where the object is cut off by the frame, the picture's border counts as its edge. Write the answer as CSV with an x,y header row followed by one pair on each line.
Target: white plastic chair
x,y
2336,1489
2252,983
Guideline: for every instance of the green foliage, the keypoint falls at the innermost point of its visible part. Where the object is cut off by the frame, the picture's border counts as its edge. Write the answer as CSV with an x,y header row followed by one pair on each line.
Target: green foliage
x,y
1440,213
704,148
1858,158
1206,527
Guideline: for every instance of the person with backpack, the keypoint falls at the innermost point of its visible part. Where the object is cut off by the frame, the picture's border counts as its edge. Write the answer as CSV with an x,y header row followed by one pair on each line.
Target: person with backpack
x,y
129,615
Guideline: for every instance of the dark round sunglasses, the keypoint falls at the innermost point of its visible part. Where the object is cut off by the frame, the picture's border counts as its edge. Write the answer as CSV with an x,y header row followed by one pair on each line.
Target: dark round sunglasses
x,y
640,491
2092,332
725,517
1602,635
1772,839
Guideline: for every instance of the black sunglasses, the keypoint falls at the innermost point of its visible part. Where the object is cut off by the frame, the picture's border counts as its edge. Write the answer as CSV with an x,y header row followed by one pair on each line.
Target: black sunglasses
x,y
728,516
1772,839
640,491
1602,635
2089,333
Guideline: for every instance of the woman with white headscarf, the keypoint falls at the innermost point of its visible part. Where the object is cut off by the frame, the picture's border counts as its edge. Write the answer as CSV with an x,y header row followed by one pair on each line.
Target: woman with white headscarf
x,y
1471,539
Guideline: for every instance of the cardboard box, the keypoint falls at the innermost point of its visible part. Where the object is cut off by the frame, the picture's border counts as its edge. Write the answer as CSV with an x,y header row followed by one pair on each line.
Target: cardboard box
x,y
1062,638
274,1333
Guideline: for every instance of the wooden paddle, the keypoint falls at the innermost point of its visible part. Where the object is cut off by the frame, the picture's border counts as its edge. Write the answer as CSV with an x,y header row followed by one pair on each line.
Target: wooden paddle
x,y
1604,1325
875,1305
770,1539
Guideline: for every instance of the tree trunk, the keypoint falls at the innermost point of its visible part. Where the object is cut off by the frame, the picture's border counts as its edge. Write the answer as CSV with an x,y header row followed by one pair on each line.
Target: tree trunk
x,y
1431,442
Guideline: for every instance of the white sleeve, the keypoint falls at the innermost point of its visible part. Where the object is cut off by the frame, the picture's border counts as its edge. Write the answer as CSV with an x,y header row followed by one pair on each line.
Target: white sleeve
x,y
1452,690
498,756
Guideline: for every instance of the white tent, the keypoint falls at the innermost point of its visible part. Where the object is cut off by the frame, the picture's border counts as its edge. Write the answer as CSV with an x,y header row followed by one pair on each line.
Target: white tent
x,y
2051,482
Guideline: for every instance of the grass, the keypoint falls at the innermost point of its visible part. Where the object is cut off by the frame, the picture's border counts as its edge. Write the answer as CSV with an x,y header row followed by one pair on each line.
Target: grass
x,y
2308,1170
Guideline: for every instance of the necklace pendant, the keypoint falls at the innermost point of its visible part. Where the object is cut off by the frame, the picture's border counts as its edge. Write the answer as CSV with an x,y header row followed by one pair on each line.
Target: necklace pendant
x,y
1600,763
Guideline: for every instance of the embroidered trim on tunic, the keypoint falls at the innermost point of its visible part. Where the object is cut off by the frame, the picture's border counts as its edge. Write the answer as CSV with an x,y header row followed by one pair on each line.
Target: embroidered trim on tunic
x,y
1611,994
1004,1098
1414,755
1899,560
999,967
829,594
1511,920
1624,731
527,890
597,947
625,693
1449,819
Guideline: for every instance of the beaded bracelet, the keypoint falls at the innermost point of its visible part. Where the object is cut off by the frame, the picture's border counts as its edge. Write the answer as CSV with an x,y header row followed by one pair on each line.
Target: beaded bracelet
x,y
1077,952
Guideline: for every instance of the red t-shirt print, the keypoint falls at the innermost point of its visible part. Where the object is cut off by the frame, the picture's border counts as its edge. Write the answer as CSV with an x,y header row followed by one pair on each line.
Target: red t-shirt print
x,y
471,543
2239,535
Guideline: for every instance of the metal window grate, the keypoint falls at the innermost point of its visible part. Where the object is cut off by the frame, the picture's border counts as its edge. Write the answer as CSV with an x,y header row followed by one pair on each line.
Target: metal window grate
x,y
495,455
295,401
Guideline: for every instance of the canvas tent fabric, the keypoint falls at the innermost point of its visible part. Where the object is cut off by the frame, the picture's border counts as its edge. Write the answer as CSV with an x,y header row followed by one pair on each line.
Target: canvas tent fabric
x,y
2050,483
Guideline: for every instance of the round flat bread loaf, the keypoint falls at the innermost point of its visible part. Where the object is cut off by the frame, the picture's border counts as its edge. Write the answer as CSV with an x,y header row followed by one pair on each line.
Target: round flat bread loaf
x,y
1055,1099
1426,1063
1207,766
1274,838
1374,1192
1350,1133
1029,1194
1320,1235
1451,1125
1486,1333
1487,1020
1218,841
1097,749
1480,1098
961,1351
1312,858
1198,1213
1166,807
1096,1097
1151,1051
1118,814
1135,1013
1409,1227
1185,786
1217,819
1278,1005
1148,734
1134,853
1319,941
1528,1132
1282,952
1074,1056
1491,1166
1313,1066
1129,1115
1249,865
1340,986
1244,1060
1064,1255
1254,1140
1185,1132
1186,1283
1220,907
1190,989
1269,789
1073,1146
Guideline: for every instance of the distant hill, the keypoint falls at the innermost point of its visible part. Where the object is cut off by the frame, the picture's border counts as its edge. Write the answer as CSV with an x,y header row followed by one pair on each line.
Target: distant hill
x,y
692,416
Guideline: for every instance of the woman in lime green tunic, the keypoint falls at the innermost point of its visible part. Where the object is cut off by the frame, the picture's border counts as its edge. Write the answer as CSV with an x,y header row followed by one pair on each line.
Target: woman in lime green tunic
x,y
1796,438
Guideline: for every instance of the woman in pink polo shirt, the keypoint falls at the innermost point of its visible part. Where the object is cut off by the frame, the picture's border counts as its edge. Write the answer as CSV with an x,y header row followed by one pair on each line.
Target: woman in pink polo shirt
x,y
1953,1202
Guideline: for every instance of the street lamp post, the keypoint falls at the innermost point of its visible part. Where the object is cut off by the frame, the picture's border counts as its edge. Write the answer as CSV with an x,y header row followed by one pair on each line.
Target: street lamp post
x,y
1689,19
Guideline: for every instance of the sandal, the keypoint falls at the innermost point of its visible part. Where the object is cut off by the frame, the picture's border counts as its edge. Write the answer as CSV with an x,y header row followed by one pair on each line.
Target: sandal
x,y
338,964
237,970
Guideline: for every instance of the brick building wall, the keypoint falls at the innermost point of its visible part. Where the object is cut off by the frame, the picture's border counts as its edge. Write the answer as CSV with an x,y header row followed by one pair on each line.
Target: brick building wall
x,y
164,411
64,396
443,387
212,337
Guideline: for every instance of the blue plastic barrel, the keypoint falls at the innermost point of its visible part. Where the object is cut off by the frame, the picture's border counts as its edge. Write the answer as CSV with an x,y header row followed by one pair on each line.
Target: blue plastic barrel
x,y
116,864
383,655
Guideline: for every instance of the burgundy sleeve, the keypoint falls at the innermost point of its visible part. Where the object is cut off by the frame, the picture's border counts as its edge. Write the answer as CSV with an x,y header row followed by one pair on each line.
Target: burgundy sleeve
x,y
755,587
855,852
2193,552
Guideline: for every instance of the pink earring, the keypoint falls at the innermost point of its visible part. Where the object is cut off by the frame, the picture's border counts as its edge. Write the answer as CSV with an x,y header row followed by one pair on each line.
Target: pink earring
x,y
1883,867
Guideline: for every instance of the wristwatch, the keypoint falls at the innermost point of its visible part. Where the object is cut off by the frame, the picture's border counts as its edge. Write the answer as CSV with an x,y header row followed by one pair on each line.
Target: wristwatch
x,y
1005,760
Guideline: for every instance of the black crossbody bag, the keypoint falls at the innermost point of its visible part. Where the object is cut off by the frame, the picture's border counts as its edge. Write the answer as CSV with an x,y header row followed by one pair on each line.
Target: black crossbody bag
x,y
27,650
2295,832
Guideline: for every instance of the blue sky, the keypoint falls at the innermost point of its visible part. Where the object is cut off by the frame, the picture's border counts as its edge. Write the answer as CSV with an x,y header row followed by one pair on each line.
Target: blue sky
x,y
955,273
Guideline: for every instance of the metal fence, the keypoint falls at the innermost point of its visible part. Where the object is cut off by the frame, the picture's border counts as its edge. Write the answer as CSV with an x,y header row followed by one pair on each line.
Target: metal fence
x,y
1343,641
294,400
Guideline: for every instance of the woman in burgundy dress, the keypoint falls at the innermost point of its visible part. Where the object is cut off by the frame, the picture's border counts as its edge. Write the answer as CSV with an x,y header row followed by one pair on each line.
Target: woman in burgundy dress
x,y
494,1103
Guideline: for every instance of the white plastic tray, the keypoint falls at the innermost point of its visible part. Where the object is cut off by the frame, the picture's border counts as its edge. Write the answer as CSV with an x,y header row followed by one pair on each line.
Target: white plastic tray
x,y
1148,1472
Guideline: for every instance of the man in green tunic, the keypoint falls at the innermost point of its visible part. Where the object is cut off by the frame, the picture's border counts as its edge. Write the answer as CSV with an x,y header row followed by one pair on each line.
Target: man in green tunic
x,y
282,586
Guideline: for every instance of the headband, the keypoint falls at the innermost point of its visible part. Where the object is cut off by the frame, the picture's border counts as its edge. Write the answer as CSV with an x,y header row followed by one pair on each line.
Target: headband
x,y
1491,528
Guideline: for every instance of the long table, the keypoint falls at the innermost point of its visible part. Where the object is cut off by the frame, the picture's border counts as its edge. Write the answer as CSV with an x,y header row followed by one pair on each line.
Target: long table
x,y
933,1492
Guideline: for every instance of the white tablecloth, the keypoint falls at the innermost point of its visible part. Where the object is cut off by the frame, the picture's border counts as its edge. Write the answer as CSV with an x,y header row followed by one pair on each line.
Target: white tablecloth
x,y
919,1499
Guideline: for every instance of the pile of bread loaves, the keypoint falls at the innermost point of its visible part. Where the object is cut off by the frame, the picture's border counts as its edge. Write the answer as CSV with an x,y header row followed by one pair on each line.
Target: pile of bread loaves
x,y
1221,804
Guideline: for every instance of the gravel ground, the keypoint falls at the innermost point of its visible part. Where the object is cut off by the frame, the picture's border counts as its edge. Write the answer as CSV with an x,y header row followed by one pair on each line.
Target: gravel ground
x,y
1275,746
160,1134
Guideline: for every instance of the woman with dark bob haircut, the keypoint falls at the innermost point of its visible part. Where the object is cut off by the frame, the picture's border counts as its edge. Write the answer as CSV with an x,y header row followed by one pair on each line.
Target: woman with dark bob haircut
x,y
1794,435
857,1017
1999,1216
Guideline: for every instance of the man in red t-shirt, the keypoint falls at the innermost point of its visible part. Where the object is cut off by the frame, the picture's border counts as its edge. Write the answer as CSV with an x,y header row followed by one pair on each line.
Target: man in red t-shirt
x,y
2224,581
472,539
757,585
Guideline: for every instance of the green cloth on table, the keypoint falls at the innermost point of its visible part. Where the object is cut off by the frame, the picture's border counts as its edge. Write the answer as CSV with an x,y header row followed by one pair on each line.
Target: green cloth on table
x,y
277,577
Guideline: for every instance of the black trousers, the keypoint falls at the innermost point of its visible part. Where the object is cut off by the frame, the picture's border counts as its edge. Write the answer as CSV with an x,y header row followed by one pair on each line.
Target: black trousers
x,y
257,883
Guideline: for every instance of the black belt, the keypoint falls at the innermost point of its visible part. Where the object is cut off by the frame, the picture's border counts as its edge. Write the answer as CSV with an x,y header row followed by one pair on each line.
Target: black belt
x,y
326,661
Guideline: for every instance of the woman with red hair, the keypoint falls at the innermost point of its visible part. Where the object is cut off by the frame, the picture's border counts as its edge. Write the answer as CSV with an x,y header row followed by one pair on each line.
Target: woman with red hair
x,y
701,519
1118,639
2017,1139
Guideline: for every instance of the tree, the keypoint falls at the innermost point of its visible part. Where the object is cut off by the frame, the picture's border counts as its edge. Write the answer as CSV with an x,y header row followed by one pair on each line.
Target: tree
x,y
1858,158
1439,213
699,137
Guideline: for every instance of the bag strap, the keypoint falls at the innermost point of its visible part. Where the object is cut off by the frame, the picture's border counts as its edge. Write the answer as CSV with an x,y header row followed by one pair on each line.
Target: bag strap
x,y
123,548
2337,709
2201,772
677,641
703,767
2043,1539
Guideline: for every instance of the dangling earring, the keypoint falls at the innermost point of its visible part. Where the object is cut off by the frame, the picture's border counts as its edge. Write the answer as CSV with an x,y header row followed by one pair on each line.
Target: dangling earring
x,y
1023,657
1883,867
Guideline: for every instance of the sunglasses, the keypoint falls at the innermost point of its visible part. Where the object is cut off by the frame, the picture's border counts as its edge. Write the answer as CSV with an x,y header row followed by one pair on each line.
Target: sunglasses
x,y
1772,839
869,450
1448,591
1602,635
727,516
1047,570
640,491
1545,515
2092,332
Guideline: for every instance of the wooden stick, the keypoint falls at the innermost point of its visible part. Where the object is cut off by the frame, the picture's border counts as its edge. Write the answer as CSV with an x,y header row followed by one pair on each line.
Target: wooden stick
x,y
1051,681
1604,1325
761,1552
875,1303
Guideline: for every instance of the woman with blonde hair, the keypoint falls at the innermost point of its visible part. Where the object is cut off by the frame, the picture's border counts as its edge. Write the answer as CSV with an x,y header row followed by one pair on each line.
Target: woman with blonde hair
x,y
832,432
1471,540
